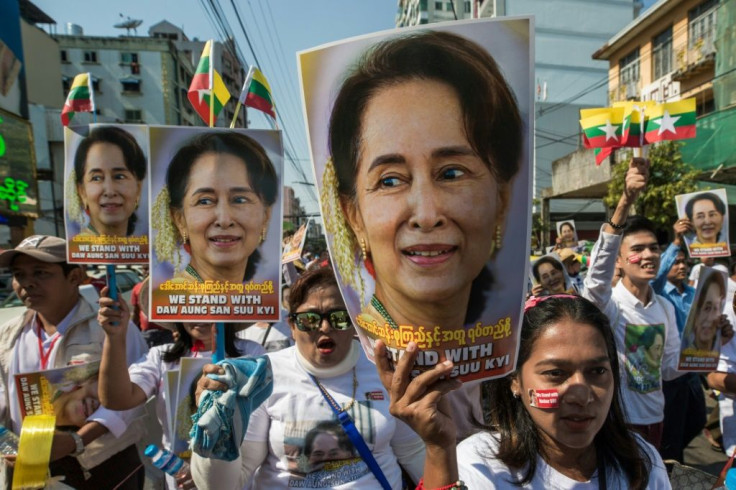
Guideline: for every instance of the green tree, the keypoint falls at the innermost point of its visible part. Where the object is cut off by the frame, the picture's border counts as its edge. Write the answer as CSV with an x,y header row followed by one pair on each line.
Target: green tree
x,y
668,177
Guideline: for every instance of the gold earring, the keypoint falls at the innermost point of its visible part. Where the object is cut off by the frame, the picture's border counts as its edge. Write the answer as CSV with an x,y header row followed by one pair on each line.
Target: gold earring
x,y
363,249
497,241
184,237
263,234
137,202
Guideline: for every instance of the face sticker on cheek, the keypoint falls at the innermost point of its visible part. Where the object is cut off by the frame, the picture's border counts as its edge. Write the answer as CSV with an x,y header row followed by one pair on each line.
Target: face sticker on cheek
x,y
544,398
634,259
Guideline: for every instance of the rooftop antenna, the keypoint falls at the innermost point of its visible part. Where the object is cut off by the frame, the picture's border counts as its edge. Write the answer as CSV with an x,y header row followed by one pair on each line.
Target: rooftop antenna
x,y
128,24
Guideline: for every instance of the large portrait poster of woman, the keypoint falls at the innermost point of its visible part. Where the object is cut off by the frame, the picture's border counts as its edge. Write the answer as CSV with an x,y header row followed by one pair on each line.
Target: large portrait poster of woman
x,y
701,338
708,215
106,193
420,139
215,224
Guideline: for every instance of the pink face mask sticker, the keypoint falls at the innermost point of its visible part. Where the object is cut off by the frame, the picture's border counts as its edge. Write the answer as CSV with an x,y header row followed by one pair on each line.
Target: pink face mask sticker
x,y
544,398
634,259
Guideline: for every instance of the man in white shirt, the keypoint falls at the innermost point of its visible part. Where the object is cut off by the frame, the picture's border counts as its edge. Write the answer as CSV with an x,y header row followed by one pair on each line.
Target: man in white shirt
x,y
643,323
60,328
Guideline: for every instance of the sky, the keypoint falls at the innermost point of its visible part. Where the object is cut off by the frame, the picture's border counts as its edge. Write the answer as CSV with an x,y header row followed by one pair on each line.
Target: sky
x,y
277,29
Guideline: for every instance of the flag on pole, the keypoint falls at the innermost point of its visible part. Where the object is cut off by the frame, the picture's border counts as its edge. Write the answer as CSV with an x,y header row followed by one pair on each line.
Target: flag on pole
x,y
671,121
205,83
80,99
256,93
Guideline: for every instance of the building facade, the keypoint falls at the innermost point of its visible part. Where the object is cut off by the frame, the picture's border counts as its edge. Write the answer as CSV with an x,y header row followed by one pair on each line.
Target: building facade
x,y
680,49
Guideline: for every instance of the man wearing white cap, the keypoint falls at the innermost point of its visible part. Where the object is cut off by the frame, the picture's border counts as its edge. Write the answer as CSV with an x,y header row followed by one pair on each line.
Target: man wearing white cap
x,y
60,328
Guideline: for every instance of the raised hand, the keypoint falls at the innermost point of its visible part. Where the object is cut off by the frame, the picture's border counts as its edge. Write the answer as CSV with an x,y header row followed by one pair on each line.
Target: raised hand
x,y
113,315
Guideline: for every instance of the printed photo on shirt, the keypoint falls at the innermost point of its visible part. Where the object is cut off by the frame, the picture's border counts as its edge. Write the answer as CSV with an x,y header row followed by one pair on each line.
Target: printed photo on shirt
x,y
708,214
319,454
644,349
701,337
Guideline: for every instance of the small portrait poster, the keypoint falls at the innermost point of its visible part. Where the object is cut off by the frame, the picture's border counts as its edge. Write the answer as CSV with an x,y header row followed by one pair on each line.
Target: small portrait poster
x,y
69,393
215,224
701,338
428,227
708,215
106,175
567,232
294,245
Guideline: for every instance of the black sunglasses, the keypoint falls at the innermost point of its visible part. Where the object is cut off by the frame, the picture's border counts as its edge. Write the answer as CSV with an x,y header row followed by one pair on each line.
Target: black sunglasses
x,y
309,321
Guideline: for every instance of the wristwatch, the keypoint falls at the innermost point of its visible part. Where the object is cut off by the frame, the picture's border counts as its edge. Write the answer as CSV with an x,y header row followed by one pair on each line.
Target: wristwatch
x,y
78,442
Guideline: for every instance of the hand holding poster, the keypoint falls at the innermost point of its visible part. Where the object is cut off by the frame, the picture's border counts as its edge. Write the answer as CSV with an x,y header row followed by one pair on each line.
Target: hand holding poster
x,y
215,224
422,164
707,213
106,194
701,338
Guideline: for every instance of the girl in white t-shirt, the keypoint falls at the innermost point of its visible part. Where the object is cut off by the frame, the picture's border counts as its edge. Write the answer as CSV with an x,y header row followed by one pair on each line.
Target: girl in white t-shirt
x,y
122,386
555,422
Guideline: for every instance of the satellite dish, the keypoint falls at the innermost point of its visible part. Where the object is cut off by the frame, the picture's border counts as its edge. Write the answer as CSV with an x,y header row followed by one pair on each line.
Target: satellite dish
x,y
129,24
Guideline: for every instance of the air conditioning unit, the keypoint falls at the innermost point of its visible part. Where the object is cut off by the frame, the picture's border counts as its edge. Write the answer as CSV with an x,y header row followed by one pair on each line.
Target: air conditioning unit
x,y
632,91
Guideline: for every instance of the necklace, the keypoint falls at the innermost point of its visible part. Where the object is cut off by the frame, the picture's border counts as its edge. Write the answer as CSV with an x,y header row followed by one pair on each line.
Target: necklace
x,y
376,303
331,400
190,270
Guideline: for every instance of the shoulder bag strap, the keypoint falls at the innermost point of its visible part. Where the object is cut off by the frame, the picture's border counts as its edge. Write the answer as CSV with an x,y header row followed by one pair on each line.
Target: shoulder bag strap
x,y
354,435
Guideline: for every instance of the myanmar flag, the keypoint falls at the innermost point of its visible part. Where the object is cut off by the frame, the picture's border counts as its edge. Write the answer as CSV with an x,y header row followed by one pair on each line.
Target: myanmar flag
x,y
80,98
634,113
602,127
207,81
601,154
671,121
257,93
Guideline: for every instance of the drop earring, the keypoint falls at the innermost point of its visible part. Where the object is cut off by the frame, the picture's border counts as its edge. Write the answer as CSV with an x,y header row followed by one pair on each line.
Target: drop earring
x,y
497,241
263,234
363,249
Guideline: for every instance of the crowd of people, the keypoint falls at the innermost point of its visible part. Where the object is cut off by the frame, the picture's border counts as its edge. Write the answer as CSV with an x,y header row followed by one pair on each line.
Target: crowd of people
x,y
597,398
607,349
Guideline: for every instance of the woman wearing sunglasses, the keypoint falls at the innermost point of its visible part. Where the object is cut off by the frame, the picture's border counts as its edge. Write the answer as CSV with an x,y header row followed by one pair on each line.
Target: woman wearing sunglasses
x,y
324,373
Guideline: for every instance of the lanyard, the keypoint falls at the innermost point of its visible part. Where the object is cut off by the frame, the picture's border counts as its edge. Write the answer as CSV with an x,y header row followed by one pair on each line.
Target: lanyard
x,y
45,354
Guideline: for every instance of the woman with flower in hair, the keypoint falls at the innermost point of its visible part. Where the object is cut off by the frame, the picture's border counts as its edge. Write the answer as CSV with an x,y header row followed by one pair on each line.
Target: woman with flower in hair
x,y
425,138
104,188
216,205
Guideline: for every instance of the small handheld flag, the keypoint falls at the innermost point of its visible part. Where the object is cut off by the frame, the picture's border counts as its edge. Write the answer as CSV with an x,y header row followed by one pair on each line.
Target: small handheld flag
x,y
256,93
205,83
80,99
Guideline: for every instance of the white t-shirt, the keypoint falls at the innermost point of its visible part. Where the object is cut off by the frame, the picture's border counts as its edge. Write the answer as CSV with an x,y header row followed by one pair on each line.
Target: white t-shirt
x,y
647,339
478,468
279,335
148,373
296,414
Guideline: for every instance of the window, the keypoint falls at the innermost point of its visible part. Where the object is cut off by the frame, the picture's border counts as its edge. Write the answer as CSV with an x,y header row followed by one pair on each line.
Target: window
x,y
662,53
64,56
96,85
628,67
423,5
438,5
66,85
128,58
133,116
131,86
702,25
467,7
90,56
